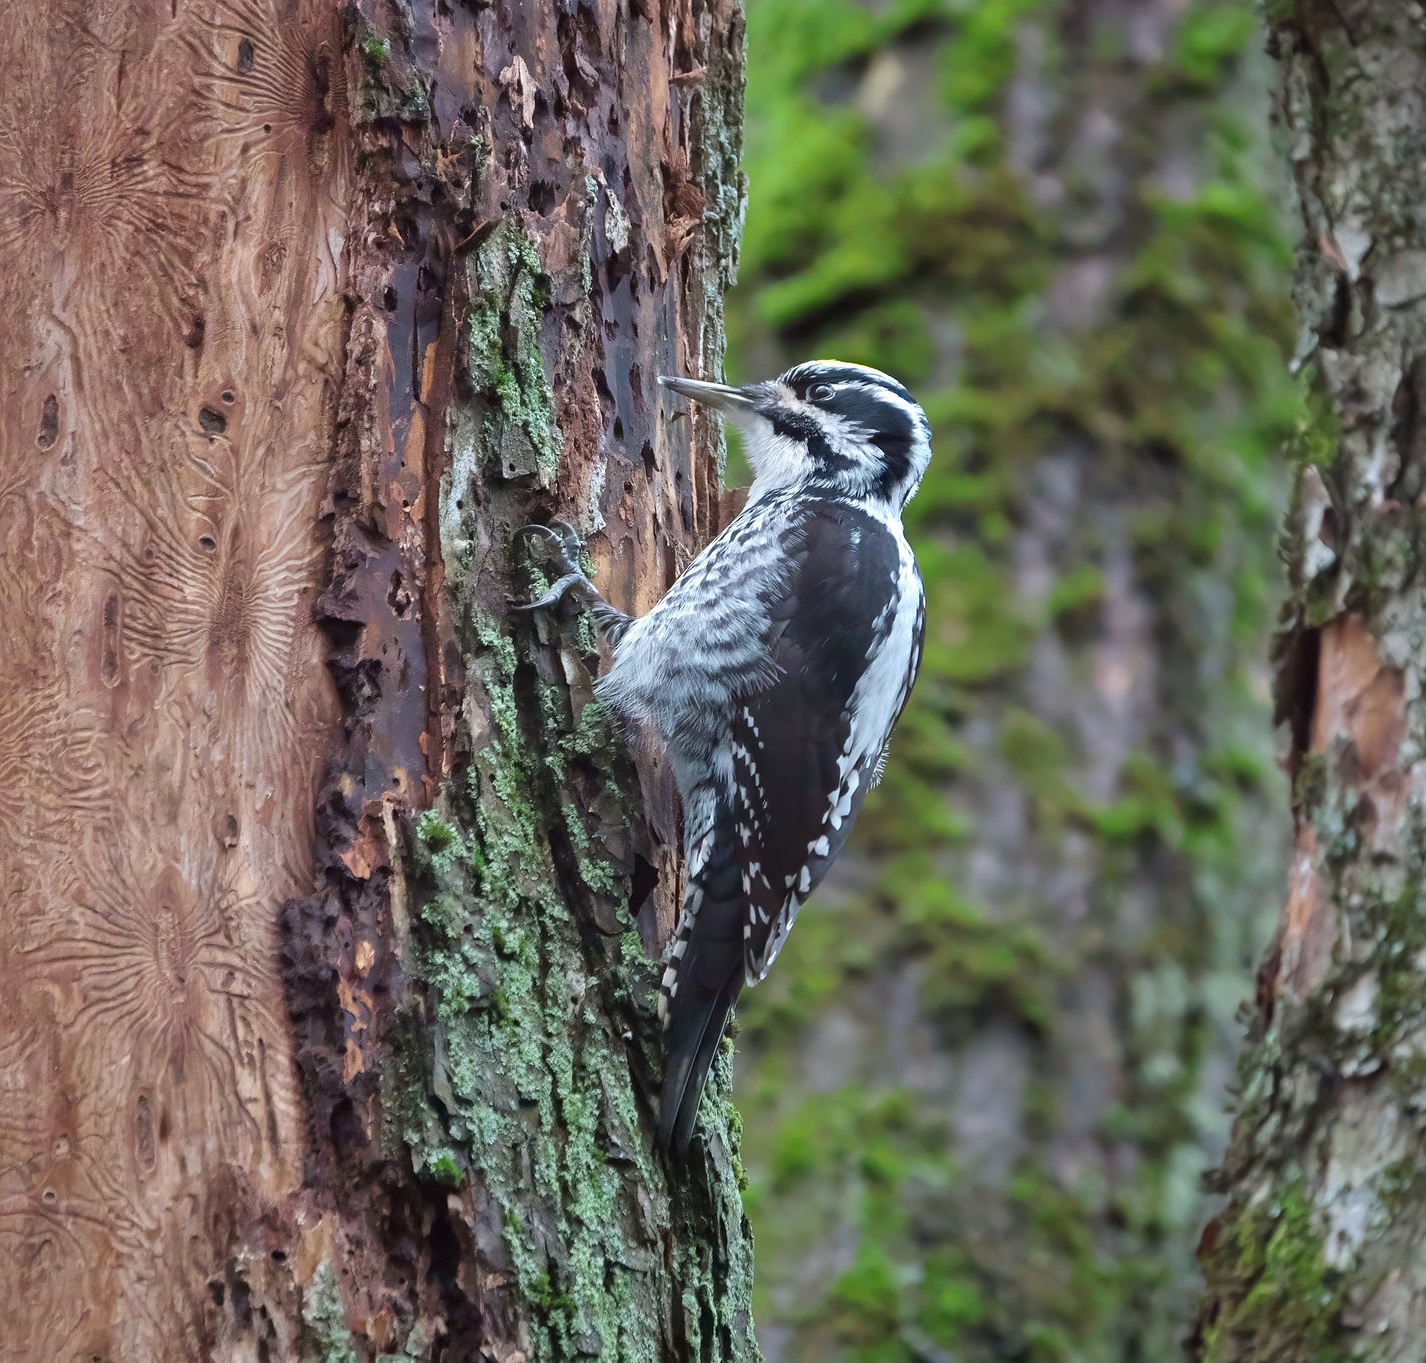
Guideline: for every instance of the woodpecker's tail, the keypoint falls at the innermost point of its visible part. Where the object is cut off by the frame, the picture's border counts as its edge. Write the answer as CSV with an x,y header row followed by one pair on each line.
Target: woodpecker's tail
x,y
701,983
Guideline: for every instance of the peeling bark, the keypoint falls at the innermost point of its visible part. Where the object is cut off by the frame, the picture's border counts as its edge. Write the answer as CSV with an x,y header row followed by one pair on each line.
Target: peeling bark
x,y
1318,1254
309,310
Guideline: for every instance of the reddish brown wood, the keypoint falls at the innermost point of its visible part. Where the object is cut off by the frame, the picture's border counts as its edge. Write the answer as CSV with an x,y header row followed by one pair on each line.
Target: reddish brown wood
x,y
173,209
240,246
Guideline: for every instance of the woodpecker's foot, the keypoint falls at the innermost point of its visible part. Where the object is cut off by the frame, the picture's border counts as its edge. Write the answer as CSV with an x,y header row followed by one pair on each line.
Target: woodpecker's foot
x,y
562,546
584,589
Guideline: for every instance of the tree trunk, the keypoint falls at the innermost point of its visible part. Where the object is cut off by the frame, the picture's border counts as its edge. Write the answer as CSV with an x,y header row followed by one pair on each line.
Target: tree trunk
x,y
308,309
1317,1255
981,1085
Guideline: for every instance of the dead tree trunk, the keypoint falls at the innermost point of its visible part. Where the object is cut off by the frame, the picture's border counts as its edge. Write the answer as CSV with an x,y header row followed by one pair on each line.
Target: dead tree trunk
x,y
307,309
1317,1255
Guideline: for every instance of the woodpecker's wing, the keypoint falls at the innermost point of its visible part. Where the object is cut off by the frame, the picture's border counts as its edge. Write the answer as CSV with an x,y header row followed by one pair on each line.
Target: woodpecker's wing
x,y
846,621
805,749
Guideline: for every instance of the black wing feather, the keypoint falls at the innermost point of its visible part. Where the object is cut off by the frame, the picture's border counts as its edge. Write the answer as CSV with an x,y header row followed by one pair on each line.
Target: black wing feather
x,y
797,730
708,981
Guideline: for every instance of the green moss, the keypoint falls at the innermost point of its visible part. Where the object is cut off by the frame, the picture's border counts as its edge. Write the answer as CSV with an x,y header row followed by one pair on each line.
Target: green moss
x,y
444,1167
978,65
954,1304
867,1306
1399,923
328,1338
1310,787
387,84
1038,756
1211,40
976,635
434,834
1079,591
1274,1290
981,968
1148,806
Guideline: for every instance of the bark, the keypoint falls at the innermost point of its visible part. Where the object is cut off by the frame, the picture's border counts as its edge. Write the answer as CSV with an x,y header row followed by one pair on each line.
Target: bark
x,y
984,1079
1318,1254
308,310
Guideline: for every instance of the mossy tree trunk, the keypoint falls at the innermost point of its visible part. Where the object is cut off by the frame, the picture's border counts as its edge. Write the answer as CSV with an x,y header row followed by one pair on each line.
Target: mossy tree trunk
x,y
308,308
1318,1254
988,1072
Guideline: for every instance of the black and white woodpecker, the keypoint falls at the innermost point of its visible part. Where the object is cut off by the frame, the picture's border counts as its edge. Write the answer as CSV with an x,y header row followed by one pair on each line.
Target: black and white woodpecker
x,y
773,672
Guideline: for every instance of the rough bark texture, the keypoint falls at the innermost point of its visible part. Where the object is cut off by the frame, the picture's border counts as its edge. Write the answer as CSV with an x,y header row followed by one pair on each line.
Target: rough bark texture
x,y
981,1086
306,310
1319,1253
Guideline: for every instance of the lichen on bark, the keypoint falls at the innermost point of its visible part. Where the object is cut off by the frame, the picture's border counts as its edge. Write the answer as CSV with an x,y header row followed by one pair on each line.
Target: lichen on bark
x,y
528,273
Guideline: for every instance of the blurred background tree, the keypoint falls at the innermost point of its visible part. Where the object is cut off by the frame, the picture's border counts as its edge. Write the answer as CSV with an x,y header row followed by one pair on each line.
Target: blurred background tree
x,y
984,1081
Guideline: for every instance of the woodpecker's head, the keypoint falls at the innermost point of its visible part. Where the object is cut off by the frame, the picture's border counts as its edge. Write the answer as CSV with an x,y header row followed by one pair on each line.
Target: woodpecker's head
x,y
843,427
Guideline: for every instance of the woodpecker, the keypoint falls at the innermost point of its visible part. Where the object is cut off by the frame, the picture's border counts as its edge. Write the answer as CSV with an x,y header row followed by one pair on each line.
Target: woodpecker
x,y
773,672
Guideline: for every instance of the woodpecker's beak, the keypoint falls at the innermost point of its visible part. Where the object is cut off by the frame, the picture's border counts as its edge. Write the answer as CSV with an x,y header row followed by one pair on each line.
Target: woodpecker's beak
x,y
720,395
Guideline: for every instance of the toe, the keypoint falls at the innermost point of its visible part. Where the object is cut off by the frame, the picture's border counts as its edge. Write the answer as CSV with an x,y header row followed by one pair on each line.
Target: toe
x,y
561,544
557,591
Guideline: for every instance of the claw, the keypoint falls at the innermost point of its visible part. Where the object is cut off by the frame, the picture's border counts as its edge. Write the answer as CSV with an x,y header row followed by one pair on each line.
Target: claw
x,y
562,542
563,546
568,537
556,593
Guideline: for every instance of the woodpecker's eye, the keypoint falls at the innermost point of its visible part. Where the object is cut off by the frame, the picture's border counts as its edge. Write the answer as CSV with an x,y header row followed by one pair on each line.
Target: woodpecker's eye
x,y
819,392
